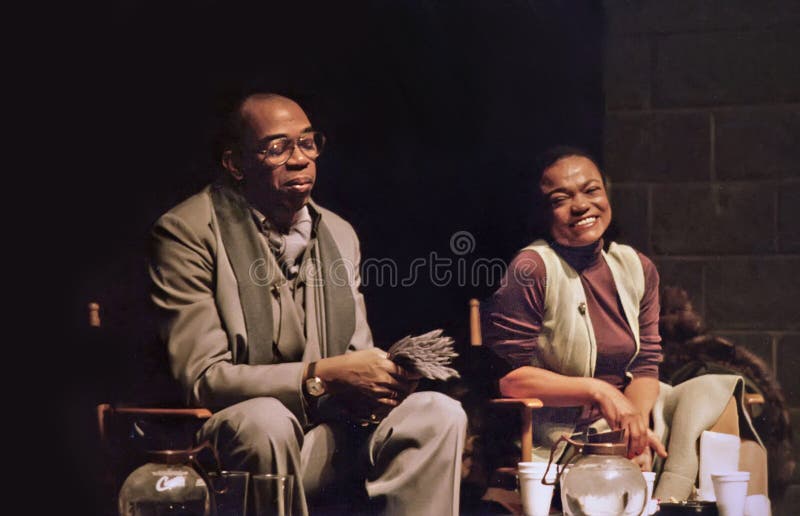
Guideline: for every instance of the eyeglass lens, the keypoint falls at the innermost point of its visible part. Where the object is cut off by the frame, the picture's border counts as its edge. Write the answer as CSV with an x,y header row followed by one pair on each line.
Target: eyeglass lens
x,y
280,150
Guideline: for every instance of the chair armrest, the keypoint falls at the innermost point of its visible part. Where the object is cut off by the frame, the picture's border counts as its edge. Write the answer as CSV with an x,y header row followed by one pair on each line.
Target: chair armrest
x,y
106,410
754,403
753,399
531,403
198,413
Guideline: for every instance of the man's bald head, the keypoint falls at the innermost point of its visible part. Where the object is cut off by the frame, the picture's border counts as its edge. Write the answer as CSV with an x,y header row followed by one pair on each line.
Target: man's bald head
x,y
241,117
263,154
245,113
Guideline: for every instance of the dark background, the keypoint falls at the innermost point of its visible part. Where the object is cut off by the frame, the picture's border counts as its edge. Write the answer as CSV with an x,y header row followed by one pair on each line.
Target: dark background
x,y
433,112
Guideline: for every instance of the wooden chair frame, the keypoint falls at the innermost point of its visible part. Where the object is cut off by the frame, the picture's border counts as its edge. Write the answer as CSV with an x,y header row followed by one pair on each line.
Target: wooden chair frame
x,y
526,406
109,416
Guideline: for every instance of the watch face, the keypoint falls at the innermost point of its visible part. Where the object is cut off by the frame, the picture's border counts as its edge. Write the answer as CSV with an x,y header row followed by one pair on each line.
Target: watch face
x,y
314,386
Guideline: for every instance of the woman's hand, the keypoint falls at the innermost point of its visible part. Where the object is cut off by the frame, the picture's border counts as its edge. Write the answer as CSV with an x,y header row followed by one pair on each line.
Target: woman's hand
x,y
621,413
645,459
558,390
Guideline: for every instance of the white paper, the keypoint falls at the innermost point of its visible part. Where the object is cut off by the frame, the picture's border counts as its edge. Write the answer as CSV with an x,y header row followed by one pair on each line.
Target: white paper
x,y
719,453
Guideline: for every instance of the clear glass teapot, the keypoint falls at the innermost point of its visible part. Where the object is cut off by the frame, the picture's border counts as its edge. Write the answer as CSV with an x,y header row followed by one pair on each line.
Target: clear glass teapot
x,y
172,483
600,481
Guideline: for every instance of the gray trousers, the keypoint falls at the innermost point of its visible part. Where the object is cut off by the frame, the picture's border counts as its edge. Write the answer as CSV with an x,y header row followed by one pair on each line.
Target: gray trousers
x,y
411,460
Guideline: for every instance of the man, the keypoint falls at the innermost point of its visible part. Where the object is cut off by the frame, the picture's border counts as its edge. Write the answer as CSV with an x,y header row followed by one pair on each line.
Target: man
x,y
257,288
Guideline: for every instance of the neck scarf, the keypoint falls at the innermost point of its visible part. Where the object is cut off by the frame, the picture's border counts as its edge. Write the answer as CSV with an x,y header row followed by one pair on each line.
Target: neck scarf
x,y
289,247
245,250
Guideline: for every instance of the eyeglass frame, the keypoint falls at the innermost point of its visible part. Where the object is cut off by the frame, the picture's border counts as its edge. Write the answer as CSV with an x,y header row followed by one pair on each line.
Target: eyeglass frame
x,y
264,146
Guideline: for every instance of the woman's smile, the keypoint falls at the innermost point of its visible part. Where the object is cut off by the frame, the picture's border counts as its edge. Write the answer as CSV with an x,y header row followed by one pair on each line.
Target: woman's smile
x,y
579,209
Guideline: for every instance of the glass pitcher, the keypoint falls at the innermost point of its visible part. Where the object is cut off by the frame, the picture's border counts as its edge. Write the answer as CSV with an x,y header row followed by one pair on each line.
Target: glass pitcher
x,y
599,481
172,483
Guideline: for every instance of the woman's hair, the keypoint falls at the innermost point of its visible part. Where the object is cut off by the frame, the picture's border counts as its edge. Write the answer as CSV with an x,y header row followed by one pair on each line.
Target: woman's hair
x,y
539,222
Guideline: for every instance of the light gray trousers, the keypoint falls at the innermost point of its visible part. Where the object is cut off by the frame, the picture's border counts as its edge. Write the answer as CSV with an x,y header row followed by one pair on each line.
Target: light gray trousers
x,y
412,458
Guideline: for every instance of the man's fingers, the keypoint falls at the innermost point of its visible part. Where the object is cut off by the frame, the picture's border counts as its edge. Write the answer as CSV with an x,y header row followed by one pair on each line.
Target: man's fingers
x,y
401,373
412,386
388,392
389,402
389,384
406,387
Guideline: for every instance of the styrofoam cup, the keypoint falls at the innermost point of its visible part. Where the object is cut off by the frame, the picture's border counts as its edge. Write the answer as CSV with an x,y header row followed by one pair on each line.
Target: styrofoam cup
x,y
536,497
650,478
730,489
537,464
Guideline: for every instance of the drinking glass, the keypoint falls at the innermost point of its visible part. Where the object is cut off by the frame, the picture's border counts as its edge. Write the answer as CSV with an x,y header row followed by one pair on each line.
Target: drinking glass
x,y
230,492
273,494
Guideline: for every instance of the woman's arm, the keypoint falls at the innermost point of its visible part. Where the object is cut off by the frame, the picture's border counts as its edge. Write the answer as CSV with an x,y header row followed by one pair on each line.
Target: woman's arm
x,y
643,389
643,393
557,390
645,365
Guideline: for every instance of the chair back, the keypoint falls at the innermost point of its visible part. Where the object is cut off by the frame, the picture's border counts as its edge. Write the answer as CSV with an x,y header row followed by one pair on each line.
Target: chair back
x,y
475,337
127,430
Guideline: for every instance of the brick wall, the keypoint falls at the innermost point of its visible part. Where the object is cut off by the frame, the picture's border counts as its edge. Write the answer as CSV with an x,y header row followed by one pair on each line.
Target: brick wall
x,y
702,142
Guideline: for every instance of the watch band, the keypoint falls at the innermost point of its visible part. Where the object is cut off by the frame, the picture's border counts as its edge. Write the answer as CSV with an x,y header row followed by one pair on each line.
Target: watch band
x,y
313,387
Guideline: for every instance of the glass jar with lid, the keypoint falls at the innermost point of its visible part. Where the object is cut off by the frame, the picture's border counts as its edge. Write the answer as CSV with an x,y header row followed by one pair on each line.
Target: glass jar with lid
x,y
600,481
171,483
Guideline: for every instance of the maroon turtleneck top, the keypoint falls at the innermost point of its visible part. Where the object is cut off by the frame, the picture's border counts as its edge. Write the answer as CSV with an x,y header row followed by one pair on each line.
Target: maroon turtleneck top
x,y
512,318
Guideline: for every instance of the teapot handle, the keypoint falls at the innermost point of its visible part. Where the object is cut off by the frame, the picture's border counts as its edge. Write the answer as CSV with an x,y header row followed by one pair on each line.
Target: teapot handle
x,y
212,490
550,462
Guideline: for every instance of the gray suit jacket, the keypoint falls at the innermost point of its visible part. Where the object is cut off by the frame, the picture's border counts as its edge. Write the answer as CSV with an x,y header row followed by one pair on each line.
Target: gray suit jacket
x,y
200,313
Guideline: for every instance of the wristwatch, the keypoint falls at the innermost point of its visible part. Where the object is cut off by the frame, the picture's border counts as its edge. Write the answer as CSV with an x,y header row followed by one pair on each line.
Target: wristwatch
x,y
313,384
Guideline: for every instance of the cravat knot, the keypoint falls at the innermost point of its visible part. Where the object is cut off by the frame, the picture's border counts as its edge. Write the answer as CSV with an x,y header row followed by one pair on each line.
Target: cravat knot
x,y
289,247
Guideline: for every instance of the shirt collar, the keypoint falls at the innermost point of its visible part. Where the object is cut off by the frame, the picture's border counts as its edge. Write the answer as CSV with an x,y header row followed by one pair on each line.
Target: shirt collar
x,y
307,213
579,258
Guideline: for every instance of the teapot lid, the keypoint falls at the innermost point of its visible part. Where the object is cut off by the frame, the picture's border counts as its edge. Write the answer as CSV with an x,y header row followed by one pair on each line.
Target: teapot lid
x,y
604,449
171,456
180,456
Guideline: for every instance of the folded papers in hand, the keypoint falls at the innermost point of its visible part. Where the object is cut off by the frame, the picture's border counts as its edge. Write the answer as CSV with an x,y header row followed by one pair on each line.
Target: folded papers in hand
x,y
429,355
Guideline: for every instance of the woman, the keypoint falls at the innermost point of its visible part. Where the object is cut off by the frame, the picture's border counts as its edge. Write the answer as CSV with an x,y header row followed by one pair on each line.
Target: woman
x,y
576,319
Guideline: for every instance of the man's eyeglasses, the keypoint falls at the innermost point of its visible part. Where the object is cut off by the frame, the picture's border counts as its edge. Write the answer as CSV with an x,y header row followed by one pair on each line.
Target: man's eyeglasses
x,y
278,151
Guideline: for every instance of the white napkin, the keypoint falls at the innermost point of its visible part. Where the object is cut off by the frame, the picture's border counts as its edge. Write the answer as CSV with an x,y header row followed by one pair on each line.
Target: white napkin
x,y
757,505
719,453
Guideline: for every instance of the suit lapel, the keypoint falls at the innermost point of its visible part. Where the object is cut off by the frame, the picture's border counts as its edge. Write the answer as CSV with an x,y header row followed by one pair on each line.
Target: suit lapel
x,y
259,279
256,275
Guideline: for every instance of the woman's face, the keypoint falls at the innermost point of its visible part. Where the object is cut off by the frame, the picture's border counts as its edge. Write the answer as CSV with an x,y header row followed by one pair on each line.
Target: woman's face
x,y
578,206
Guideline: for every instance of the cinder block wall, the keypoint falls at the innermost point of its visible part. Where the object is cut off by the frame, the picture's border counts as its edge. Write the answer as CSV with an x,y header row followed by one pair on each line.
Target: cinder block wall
x,y
702,142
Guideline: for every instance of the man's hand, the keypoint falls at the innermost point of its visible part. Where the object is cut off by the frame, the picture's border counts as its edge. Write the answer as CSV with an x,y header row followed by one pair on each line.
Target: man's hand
x,y
645,459
370,373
